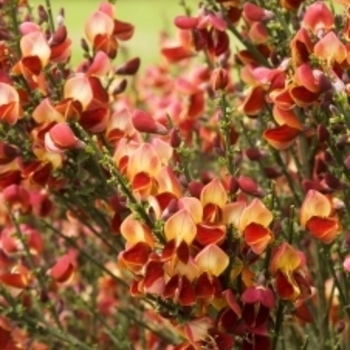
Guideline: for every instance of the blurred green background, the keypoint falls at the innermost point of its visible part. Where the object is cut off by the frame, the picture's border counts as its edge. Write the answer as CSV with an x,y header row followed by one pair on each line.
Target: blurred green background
x,y
150,17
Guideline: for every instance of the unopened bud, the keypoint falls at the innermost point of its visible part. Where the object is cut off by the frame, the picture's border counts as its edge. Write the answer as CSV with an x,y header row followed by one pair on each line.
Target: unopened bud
x,y
322,133
120,87
232,185
175,139
249,186
129,68
195,188
143,122
84,45
340,326
219,79
42,14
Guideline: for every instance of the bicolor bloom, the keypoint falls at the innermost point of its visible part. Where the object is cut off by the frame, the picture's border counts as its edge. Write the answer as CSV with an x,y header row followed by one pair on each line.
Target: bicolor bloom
x,y
285,265
10,107
318,217
254,224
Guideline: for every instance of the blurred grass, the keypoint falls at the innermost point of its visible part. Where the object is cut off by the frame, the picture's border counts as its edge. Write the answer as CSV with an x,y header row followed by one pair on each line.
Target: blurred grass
x,y
150,17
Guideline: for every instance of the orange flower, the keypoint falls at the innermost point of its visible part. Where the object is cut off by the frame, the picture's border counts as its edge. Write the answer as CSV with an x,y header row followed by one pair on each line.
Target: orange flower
x,y
102,30
254,224
318,17
316,214
213,198
331,49
10,108
285,264
143,167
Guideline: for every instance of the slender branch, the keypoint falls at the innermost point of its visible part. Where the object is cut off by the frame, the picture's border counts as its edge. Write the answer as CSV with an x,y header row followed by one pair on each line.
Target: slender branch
x,y
49,11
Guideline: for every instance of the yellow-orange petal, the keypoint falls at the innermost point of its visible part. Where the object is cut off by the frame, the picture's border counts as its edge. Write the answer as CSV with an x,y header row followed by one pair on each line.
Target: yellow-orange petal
x,y
315,204
193,206
46,113
197,330
285,259
214,193
79,88
330,49
180,227
98,23
212,259
134,231
35,44
190,270
168,182
144,159
10,109
255,212
232,212
287,117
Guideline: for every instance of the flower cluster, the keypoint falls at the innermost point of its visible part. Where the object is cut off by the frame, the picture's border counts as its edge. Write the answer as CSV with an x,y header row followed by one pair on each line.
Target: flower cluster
x,y
201,204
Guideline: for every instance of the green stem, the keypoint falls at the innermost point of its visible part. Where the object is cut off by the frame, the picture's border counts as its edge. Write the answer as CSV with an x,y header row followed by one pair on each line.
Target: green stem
x,y
225,129
278,324
49,12
33,265
286,174
88,256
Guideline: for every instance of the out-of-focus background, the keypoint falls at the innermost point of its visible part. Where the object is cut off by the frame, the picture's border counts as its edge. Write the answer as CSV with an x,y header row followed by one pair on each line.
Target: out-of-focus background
x,y
150,17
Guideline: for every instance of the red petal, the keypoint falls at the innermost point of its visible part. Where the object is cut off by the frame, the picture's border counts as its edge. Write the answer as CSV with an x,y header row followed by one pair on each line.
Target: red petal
x,y
209,234
183,252
204,287
187,295
141,181
15,280
184,22
63,269
325,229
137,254
281,137
154,278
285,289
257,237
253,102
123,30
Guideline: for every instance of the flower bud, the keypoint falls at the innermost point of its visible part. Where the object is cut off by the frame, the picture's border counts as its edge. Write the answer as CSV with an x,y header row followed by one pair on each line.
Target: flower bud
x,y
254,154
129,68
332,181
219,79
84,45
340,326
232,185
143,122
8,152
195,188
249,186
42,14
120,87
175,139
322,133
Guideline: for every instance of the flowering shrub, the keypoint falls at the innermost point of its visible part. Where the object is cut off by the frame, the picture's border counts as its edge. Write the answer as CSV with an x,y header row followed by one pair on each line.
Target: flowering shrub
x,y
201,204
